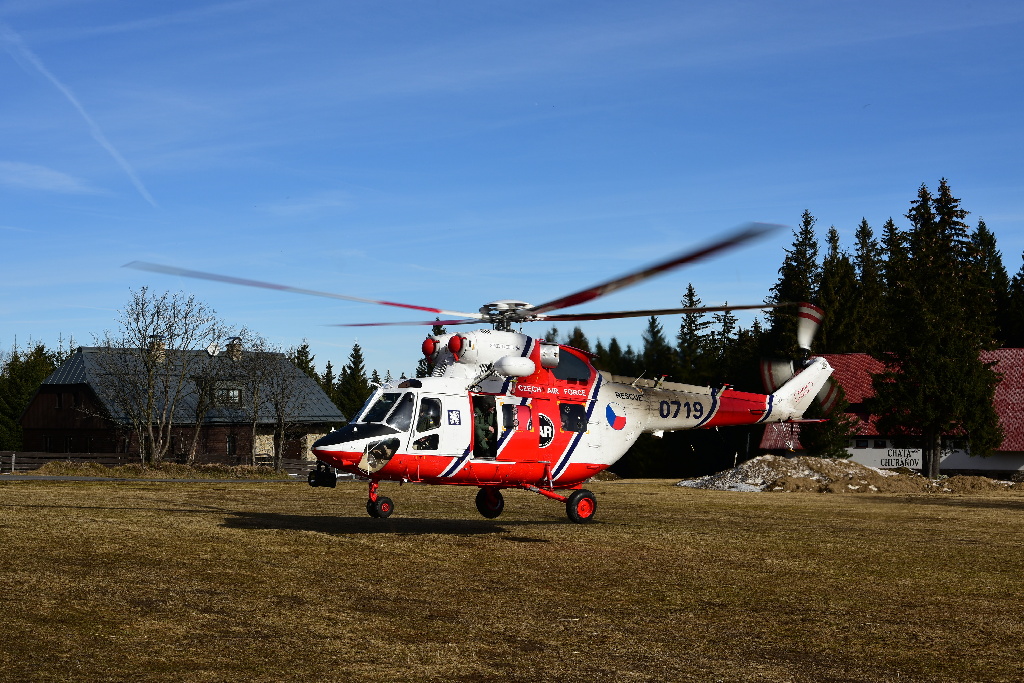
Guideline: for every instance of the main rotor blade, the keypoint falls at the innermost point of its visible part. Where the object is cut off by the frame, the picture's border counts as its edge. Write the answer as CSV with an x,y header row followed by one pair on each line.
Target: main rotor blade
x,y
472,321
743,234
200,275
563,317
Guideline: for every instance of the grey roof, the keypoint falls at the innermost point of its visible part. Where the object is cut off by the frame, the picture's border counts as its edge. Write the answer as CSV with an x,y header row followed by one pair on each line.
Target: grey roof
x,y
308,402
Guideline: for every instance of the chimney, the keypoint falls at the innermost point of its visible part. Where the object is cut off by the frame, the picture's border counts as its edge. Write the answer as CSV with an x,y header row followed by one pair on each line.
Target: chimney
x,y
235,348
157,350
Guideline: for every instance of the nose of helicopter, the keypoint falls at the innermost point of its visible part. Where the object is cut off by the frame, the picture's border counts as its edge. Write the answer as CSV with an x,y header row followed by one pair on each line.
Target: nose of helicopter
x,y
337,458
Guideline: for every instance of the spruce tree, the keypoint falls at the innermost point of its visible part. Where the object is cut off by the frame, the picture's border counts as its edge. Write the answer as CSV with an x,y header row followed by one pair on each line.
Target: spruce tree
x,y
1013,316
578,340
692,342
658,357
867,308
329,383
799,276
353,386
21,374
838,296
303,359
934,382
992,289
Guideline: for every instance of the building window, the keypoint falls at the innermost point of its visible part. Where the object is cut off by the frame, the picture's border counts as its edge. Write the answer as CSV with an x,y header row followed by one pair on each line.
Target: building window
x,y
860,443
879,443
227,396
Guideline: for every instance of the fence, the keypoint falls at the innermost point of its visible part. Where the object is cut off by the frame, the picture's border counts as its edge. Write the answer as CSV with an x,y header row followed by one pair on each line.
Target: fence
x,y
17,462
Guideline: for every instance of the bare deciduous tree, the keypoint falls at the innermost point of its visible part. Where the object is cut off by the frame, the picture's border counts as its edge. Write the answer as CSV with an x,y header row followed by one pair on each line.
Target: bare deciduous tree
x,y
149,365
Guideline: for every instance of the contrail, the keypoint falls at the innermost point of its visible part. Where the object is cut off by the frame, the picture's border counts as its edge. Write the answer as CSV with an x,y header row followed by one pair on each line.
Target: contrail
x,y
16,46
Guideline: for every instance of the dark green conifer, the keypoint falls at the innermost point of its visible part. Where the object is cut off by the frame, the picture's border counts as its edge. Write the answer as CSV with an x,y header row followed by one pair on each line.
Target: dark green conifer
x,y
934,382
838,296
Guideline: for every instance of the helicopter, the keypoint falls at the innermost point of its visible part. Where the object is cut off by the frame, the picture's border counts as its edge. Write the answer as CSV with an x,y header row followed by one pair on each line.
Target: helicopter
x,y
506,410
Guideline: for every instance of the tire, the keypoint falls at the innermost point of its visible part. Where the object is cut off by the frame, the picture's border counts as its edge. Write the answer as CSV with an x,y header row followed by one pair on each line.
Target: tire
x,y
371,509
581,506
312,479
382,507
490,502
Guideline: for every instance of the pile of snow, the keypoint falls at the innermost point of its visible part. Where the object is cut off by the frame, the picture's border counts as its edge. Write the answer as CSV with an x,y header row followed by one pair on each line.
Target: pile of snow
x,y
819,475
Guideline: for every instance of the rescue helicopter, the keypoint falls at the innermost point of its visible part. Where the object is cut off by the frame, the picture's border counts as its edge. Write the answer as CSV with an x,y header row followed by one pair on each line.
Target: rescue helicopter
x,y
507,410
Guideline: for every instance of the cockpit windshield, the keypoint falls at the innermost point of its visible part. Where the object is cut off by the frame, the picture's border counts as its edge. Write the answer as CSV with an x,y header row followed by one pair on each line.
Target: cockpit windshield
x,y
401,416
392,408
381,407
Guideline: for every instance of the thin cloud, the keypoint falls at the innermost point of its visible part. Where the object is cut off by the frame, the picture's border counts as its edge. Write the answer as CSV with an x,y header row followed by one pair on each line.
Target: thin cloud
x,y
33,177
21,53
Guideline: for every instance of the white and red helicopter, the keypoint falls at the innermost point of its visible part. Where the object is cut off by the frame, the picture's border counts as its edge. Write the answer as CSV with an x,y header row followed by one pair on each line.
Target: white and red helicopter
x,y
553,419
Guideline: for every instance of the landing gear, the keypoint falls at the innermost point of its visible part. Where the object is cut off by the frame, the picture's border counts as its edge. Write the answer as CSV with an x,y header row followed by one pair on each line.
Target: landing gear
x,y
581,506
490,502
378,506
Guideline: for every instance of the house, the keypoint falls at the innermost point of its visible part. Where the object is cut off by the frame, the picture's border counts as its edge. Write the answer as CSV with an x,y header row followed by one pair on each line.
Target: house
x,y
853,372
85,405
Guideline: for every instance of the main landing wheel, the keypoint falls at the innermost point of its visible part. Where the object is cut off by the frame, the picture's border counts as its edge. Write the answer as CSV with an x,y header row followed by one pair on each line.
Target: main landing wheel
x,y
581,506
382,507
490,502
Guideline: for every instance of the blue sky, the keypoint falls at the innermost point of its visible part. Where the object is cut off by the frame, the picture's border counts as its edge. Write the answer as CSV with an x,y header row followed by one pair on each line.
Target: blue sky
x,y
454,153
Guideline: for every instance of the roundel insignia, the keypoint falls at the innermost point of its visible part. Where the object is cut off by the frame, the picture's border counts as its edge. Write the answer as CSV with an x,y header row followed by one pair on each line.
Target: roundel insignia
x,y
546,430
616,415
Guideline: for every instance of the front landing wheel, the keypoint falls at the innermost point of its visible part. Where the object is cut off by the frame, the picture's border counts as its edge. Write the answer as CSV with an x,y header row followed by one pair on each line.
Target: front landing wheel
x,y
490,502
382,507
581,506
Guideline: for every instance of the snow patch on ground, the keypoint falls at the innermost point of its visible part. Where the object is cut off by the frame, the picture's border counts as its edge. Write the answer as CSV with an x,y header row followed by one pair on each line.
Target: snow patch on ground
x,y
803,473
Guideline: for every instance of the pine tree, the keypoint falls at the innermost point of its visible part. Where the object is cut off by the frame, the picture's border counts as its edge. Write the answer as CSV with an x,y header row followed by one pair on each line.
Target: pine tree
x,y
799,276
578,340
934,382
867,309
992,290
303,359
692,343
657,356
329,383
1013,317
610,359
838,296
353,386
21,374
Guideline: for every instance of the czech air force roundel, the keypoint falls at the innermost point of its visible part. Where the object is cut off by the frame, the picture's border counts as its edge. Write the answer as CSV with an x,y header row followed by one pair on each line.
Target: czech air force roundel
x,y
616,415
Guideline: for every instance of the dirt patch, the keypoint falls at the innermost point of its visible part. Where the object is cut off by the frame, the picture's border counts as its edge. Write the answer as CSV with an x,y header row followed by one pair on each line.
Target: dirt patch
x,y
819,475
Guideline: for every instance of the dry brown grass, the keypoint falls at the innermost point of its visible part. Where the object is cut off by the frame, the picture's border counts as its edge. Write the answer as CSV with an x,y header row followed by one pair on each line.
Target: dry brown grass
x,y
167,470
275,581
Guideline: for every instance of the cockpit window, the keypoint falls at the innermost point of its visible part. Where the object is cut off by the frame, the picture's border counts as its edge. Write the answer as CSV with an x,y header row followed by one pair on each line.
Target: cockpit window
x,y
571,367
401,416
430,415
380,409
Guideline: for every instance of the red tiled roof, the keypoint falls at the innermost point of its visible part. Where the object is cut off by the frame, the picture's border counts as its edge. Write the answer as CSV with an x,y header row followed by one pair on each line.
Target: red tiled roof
x,y
853,371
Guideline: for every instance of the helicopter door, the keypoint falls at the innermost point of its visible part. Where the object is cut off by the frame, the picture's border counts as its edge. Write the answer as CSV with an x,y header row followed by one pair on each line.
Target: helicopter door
x,y
485,428
428,425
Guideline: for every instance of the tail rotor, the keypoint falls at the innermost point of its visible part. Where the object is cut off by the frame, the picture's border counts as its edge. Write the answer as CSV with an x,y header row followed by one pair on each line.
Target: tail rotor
x,y
777,371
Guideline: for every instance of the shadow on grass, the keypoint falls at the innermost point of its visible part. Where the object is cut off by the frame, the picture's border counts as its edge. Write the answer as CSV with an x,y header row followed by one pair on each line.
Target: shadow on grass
x,y
369,525
969,501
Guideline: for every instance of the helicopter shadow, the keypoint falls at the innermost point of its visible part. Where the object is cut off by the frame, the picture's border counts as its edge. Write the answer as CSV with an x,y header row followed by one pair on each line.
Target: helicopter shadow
x,y
400,526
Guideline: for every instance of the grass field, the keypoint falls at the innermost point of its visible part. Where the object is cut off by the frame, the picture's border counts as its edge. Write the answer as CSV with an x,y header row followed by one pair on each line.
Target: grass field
x,y
281,582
